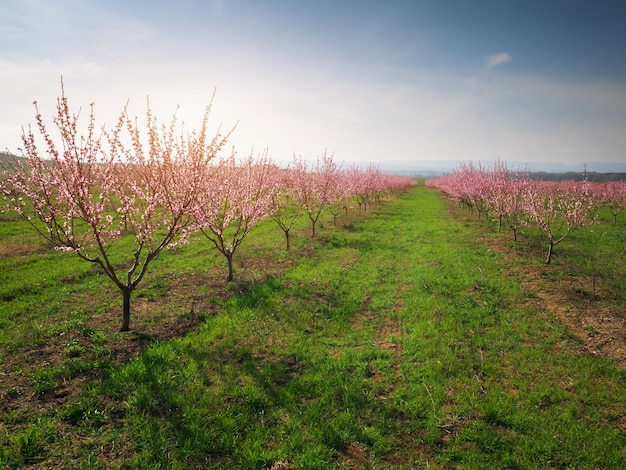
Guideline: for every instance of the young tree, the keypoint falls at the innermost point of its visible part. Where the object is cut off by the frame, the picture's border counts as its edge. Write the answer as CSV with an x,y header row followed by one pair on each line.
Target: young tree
x,y
478,187
286,207
558,209
514,193
613,195
88,190
460,185
363,184
233,199
494,191
314,186
341,193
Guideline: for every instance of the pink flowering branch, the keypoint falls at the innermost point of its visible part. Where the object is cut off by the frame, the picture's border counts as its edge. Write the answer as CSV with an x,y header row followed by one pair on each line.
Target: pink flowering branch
x,y
286,209
314,186
559,209
612,195
233,199
90,190
556,210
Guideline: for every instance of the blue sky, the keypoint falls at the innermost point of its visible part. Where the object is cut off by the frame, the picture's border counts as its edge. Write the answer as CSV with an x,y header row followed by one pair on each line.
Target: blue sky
x,y
370,81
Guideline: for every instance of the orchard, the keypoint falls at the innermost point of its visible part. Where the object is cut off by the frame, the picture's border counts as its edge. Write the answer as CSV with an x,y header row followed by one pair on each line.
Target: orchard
x,y
118,197
555,209
406,338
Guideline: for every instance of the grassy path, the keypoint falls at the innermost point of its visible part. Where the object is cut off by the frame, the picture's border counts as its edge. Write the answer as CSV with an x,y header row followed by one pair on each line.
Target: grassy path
x,y
397,344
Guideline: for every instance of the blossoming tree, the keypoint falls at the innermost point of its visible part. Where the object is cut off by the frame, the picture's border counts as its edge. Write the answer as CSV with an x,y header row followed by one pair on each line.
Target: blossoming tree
x,y
558,209
315,185
86,188
286,207
233,199
613,195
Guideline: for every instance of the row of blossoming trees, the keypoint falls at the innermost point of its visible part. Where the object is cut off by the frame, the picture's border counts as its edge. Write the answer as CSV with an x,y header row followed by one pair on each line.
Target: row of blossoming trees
x,y
118,197
556,209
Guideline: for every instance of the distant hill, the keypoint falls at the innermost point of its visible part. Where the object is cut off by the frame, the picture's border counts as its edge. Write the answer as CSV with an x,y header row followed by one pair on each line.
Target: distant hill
x,y
5,156
597,167
551,171
592,176
602,171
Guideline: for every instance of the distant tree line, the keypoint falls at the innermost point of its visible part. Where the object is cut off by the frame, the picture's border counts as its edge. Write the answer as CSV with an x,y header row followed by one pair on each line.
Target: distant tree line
x,y
592,176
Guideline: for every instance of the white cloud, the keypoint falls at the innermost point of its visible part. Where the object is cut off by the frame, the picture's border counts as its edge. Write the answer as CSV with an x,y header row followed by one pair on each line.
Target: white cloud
x,y
498,59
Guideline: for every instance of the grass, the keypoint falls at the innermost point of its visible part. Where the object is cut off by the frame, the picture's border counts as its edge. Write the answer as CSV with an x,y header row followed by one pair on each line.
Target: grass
x,y
394,342
595,254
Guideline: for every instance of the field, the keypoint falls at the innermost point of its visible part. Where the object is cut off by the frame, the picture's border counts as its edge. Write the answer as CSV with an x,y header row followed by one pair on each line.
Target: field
x,y
414,336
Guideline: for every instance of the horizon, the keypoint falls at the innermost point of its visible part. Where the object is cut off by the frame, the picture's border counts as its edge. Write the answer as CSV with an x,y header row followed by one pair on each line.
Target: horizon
x,y
408,81
433,168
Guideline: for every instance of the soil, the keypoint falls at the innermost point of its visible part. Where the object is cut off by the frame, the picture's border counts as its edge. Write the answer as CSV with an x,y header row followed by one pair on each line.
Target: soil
x,y
149,324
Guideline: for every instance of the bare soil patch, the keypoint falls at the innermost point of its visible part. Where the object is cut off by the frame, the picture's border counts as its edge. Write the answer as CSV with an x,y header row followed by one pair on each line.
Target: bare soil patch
x,y
597,321
189,303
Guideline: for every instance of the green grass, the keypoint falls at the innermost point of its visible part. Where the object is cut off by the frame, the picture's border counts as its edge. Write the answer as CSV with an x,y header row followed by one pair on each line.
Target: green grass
x,y
595,255
395,342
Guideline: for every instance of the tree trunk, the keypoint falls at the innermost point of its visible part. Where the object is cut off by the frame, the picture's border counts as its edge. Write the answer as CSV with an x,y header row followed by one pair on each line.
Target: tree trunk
x,y
126,292
549,258
229,258
287,239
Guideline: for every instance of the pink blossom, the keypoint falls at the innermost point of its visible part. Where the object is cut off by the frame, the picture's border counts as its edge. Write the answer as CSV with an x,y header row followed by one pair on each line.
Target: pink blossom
x,y
89,190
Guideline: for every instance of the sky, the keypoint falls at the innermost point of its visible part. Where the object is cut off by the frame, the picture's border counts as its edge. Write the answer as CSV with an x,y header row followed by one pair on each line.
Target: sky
x,y
367,81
